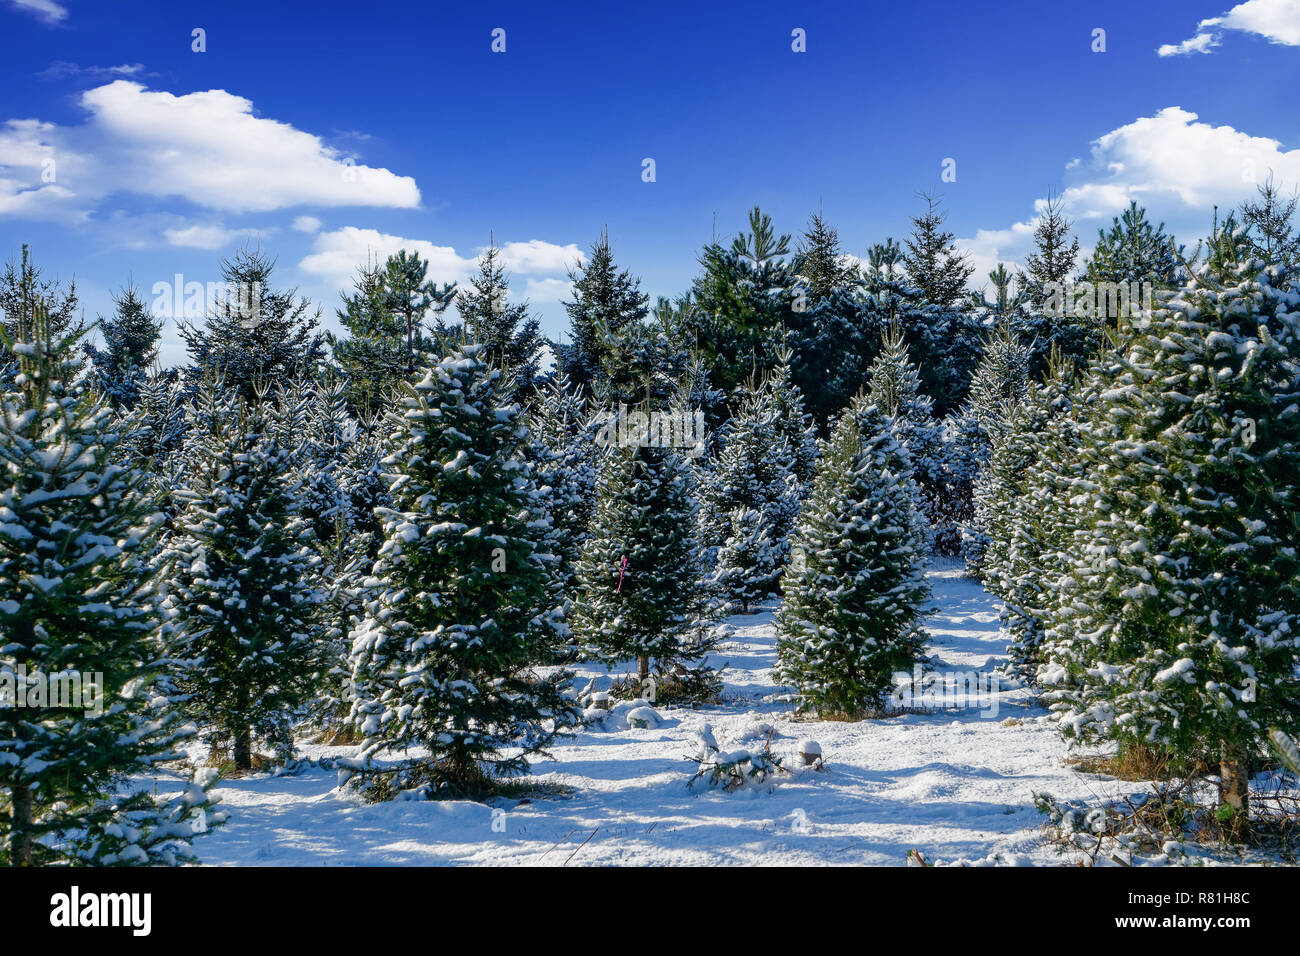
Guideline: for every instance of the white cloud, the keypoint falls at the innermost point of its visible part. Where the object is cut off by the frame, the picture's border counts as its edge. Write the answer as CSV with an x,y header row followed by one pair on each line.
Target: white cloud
x,y
206,147
336,255
306,224
1172,163
1278,21
548,290
1201,43
47,10
537,256
209,236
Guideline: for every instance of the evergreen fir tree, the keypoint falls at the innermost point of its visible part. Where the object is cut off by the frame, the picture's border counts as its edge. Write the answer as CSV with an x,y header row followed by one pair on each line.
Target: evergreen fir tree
x,y
21,289
1024,497
1272,237
1134,251
244,578
895,389
563,453
447,655
1000,385
507,332
792,423
1056,250
750,559
80,613
605,300
755,469
640,574
1174,626
822,263
130,348
932,261
744,296
855,589
258,335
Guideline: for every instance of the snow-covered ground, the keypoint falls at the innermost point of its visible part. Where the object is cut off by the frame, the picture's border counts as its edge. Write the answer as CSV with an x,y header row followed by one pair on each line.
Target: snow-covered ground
x,y
955,784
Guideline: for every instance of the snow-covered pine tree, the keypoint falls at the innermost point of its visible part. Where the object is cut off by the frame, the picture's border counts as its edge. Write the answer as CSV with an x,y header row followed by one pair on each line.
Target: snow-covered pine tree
x,y
80,625
640,575
605,299
792,422
1044,324
931,258
1000,384
749,561
507,332
855,589
244,578
755,468
895,388
462,615
1273,237
258,335
130,348
1134,250
1020,501
158,435
1175,628
21,289
563,452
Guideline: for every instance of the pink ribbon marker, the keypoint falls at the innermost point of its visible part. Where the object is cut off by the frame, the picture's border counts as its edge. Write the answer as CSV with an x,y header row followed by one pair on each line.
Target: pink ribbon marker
x,y
620,575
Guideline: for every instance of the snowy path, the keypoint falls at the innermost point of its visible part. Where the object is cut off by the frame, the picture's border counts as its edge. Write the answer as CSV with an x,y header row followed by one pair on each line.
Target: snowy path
x,y
955,784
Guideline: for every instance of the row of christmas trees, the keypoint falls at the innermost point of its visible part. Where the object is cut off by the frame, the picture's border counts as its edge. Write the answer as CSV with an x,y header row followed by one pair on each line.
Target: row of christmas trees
x,y
411,543
1140,517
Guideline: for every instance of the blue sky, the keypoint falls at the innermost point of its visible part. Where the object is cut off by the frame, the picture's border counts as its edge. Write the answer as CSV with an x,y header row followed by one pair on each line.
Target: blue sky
x,y
324,131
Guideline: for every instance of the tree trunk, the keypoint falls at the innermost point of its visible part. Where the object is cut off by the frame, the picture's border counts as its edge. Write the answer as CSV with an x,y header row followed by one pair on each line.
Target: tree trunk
x,y
643,668
1233,773
20,840
243,749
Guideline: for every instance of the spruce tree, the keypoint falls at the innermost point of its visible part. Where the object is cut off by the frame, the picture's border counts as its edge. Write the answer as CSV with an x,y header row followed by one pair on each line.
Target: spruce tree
x,y
932,261
1134,250
750,559
1174,625
855,590
80,625
243,576
507,331
793,425
563,454
447,656
823,265
640,573
22,288
373,356
1056,250
1021,501
745,295
895,388
605,299
1273,238
755,468
1045,324
257,335
1000,385
130,348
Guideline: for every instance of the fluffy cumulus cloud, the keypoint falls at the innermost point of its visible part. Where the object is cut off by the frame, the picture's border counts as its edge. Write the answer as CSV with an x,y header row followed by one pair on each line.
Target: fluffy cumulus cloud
x,y
208,148
1172,163
1278,21
336,255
